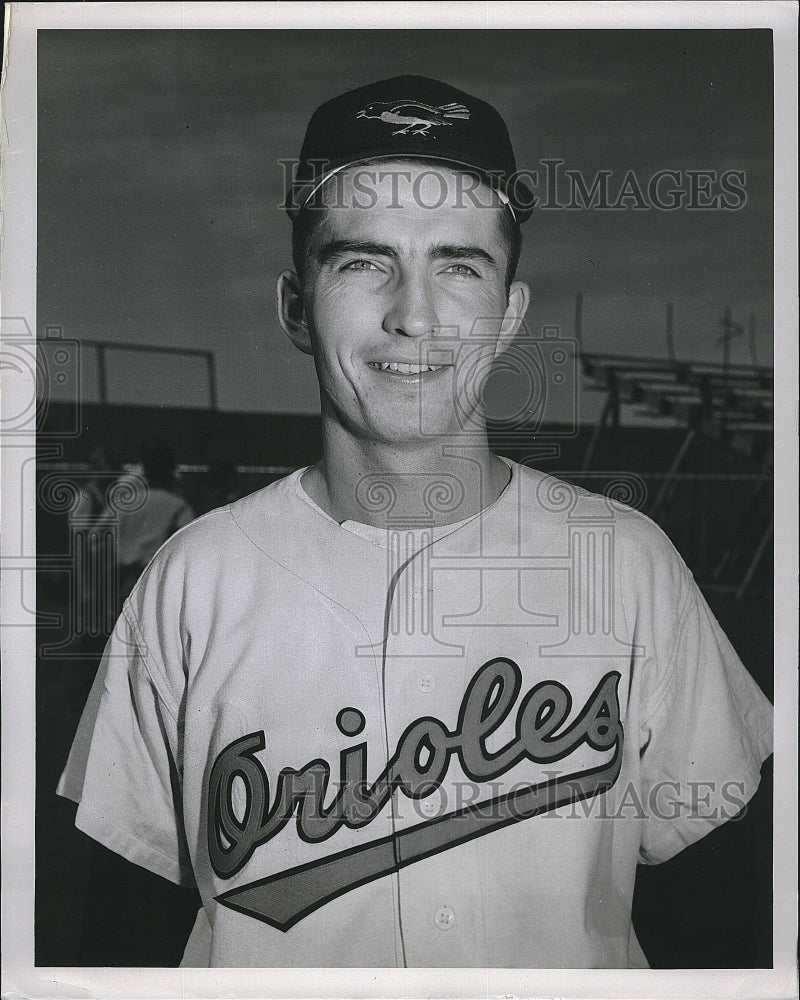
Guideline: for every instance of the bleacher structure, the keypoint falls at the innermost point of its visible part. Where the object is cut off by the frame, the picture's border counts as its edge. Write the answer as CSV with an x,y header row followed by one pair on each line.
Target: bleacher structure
x,y
727,408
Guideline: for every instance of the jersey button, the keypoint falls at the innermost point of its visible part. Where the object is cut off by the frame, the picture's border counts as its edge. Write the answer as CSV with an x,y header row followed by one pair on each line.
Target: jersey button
x,y
445,918
425,683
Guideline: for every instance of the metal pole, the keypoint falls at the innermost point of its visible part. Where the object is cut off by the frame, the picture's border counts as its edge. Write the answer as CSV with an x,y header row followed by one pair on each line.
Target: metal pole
x,y
598,430
727,336
670,331
677,462
752,338
212,380
726,345
751,569
102,382
614,416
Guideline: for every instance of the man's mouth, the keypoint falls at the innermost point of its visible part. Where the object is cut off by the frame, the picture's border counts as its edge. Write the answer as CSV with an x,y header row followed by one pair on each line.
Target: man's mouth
x,y
401,368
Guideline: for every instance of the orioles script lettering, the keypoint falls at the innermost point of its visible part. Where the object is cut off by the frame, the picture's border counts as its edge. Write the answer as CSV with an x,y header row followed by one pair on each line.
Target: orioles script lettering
x,y
417,767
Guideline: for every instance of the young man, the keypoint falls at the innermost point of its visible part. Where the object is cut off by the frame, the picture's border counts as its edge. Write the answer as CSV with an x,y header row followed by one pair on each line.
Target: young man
x,y
416,705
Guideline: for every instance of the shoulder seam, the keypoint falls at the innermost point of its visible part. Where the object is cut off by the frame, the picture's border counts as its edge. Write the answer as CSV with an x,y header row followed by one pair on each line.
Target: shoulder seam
x,y
146,655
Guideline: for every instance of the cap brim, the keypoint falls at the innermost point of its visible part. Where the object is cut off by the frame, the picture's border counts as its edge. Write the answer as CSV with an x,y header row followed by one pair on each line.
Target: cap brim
x,y
301,192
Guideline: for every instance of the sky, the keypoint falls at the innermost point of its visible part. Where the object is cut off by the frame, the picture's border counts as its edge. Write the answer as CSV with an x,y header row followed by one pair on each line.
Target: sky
x,y
159,219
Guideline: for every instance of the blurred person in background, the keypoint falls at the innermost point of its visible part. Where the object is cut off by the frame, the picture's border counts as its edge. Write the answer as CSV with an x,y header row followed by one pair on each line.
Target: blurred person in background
x,y
157,511
103,467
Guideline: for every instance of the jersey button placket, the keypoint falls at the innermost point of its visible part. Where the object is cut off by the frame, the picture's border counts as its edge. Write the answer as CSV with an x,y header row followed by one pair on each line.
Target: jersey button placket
x,y
445,918
425,683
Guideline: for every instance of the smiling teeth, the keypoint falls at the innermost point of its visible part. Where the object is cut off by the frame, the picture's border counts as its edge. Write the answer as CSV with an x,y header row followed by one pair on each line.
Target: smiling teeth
x,y
404,369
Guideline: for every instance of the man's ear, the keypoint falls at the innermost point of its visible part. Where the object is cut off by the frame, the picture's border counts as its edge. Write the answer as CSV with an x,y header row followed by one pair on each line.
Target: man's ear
x,y
519,297
291,311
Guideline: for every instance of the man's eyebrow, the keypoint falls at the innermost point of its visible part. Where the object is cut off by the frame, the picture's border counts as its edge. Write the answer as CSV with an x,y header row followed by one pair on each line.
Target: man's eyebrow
x,y
337,248
449,251
442,251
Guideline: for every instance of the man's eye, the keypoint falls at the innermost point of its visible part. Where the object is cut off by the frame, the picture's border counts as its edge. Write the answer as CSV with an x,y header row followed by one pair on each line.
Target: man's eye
x,y
360,265
464,269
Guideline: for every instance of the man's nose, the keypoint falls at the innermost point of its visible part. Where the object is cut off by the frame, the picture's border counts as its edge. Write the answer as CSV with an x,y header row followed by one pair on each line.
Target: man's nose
x,y
412,311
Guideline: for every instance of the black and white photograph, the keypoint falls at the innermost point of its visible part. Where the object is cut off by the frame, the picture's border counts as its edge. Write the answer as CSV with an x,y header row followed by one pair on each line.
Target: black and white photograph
x,y
400,527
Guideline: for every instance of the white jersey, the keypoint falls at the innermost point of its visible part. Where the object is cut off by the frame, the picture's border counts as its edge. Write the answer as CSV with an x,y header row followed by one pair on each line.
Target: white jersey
x,y
450,747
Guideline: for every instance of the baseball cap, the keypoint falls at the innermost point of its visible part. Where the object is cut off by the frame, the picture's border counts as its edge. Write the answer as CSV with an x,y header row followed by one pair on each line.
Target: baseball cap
x,y
408,117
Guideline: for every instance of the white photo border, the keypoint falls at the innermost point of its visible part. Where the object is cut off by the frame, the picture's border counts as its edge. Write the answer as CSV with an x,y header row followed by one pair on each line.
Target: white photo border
x,y
18,303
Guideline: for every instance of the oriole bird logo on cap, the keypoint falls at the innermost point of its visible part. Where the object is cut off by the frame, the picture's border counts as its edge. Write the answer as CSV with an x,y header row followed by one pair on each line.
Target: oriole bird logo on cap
x,y
415,117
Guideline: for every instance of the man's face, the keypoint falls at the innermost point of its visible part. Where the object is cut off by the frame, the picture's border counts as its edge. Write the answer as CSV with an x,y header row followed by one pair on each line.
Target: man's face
x,y
404,306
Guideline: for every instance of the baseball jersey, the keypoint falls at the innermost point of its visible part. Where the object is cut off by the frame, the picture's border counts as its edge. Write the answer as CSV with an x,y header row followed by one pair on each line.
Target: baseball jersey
x,y
416,746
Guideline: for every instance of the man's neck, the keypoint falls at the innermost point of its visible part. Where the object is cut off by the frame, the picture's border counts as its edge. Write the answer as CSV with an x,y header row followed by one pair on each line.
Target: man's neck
x,y
419,484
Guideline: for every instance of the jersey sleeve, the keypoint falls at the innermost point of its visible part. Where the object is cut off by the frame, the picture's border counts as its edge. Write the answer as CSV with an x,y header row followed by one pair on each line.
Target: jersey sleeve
x,y
704,738
123,769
